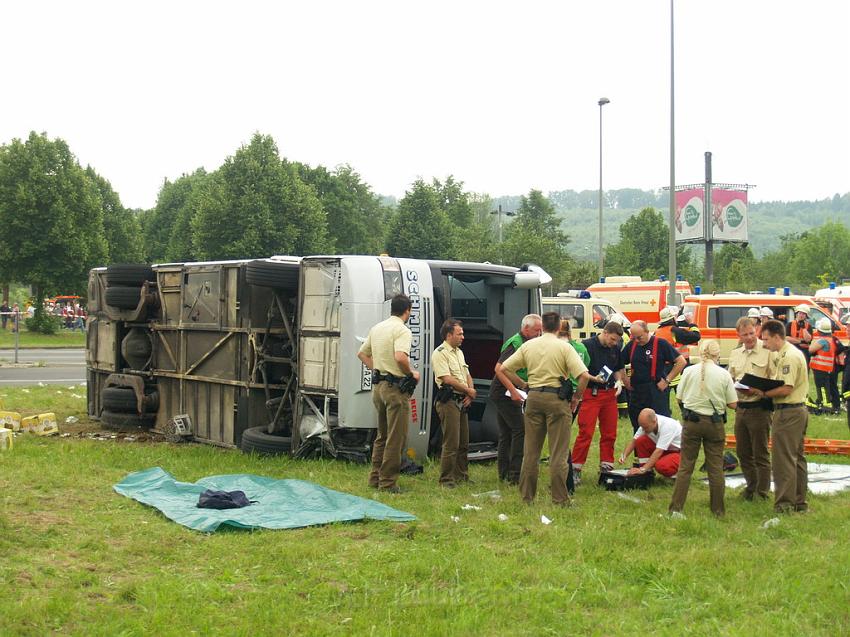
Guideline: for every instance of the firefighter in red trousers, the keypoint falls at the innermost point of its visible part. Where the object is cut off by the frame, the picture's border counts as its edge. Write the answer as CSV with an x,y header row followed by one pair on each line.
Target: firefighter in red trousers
x,y
599,402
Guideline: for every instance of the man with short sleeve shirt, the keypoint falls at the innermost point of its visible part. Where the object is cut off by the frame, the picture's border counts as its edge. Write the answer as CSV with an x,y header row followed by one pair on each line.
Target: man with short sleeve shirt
x,y
549,361
599,401
386,350
753,414
657,443
790,472
457,391
654,365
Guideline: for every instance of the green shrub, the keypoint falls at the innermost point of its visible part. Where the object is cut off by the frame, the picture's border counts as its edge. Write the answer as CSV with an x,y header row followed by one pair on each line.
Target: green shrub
x,y
42,322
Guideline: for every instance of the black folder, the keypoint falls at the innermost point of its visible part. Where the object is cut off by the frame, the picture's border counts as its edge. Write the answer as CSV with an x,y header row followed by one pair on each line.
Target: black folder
x,y
757,382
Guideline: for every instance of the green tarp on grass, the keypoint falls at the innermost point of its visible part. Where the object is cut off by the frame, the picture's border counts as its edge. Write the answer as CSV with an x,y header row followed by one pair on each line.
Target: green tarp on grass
x,y
281,504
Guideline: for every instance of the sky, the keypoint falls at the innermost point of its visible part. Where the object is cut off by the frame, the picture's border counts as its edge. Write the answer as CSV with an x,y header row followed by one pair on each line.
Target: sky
x,y
501,95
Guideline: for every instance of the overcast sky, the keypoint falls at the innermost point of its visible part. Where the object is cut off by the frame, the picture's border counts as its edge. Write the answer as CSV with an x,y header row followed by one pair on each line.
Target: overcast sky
x,y
502,95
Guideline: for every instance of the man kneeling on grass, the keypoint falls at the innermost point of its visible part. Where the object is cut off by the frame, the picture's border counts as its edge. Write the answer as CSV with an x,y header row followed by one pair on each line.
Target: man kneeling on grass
x,y
658,442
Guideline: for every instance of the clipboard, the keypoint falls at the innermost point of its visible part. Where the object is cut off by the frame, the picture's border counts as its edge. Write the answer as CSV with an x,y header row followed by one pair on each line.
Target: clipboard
x,y
757,382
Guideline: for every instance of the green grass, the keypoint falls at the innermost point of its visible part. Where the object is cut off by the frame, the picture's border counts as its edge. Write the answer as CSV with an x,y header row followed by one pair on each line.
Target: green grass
x,y
63,338
79,559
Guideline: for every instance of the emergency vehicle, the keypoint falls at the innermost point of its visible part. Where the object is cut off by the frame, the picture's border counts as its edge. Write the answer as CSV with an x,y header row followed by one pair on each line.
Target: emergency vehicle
x,y
586,313
837,299
715,315
639,299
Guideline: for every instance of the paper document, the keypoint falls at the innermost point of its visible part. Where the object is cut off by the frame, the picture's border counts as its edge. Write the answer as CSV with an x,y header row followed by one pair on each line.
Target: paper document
x,y
740,385
519,391
605,373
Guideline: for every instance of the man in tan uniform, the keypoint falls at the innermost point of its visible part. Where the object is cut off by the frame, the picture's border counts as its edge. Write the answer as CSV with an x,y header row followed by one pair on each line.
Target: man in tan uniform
x,y
790,473
549,361
454,396
753,415
386,351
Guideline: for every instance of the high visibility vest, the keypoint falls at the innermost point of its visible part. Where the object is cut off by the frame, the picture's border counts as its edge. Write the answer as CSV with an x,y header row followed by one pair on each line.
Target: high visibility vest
x,y
824,359
797,332
666,332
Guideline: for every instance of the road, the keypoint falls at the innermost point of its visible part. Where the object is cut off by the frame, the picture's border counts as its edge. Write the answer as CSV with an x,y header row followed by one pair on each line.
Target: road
x,y
54,366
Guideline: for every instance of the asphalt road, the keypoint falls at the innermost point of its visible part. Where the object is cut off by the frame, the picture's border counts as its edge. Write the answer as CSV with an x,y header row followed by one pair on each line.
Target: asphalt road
x,y
50,366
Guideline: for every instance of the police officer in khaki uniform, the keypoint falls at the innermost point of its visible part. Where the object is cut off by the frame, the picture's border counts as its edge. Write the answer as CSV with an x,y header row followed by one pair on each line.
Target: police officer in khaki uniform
x,y
704,393
753,415
454,396
790,473
386,351
550,362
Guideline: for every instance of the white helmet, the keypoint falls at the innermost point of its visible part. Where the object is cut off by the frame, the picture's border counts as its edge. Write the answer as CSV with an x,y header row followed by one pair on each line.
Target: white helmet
x,y
620,319
753,312
824,326
766,312
668,313
802,308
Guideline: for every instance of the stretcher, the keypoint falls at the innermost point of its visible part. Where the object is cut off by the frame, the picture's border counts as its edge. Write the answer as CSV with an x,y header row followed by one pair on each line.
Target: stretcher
x,y
819,446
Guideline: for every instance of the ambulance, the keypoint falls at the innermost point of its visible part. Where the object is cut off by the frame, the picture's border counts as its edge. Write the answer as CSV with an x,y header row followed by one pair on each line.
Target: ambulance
x,y
837,299
586,313
639,299
715,315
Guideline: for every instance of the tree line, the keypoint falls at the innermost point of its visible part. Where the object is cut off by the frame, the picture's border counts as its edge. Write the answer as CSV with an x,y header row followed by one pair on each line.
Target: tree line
x,y
58,220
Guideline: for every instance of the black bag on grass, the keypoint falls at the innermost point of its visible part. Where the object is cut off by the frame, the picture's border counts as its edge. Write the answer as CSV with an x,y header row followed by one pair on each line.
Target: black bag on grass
x,y
210,499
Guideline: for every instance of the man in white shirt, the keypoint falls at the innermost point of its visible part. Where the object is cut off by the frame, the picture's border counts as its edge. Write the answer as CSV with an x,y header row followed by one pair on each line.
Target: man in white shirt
x,y
658,442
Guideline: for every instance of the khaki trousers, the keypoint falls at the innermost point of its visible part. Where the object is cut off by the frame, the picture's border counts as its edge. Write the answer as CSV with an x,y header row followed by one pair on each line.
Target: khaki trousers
x,y
393,409
790,473
546,414
712,437
454,458
752,432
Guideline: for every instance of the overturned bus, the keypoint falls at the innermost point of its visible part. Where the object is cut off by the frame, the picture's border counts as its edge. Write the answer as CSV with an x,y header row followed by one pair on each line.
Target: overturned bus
x,y
261,354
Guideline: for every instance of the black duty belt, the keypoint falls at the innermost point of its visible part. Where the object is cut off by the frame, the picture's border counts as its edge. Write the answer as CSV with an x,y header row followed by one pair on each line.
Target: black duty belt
x,y
789,405
380,376
548,390
751,405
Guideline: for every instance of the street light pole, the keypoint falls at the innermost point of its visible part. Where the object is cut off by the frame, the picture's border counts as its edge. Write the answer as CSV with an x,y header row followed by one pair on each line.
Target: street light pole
x,y
500,212
671,294
602,102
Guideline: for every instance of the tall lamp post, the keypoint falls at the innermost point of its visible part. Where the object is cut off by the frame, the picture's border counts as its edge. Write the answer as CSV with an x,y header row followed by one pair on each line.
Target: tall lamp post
x,y
671,292
602,102
501,212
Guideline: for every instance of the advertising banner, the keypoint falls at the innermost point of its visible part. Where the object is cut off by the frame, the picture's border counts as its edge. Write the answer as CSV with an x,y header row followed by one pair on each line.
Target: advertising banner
x,y
729,215
690,223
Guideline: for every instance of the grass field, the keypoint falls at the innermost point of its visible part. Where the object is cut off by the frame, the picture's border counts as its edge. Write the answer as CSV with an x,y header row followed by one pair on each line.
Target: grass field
x,y
79,559
63,338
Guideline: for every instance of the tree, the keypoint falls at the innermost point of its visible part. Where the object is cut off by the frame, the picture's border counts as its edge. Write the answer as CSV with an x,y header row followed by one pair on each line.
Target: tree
x,y
643,248
821,255
51,217
356,218
255,205
167,228
535,236
421,228
121,227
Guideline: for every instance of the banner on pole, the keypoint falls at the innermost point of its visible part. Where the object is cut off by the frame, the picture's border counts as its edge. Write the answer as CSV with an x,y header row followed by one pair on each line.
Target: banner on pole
x,y
690,223
729,215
